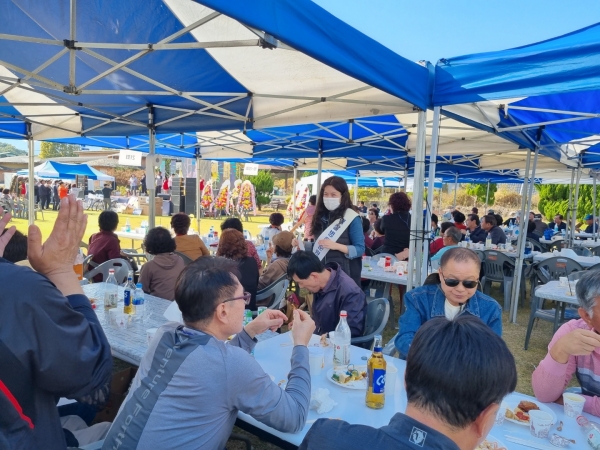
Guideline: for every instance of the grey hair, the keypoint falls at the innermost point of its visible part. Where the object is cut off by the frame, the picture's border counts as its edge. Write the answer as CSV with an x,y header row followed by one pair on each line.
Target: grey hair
x,y
588,289
460,254
454,233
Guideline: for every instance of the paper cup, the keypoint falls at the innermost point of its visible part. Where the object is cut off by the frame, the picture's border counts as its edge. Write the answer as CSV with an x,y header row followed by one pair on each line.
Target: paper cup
x,y
391,373
540,423
573,404
150,332
373,292
112,316
316,360
564,281
122,321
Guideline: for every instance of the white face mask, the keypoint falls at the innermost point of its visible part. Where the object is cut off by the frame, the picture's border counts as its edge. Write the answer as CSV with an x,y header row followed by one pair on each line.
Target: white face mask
x,y
332,203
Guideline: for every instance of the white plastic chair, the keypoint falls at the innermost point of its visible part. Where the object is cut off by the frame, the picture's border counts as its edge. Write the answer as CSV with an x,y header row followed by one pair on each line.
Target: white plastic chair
x,y
120,266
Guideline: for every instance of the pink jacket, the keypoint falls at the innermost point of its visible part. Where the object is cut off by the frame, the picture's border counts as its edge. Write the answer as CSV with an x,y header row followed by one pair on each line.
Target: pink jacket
x,y
550,378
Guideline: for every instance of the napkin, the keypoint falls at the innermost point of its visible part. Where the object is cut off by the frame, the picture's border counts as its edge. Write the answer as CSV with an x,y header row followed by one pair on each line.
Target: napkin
x,y
173,314
321,401
568,253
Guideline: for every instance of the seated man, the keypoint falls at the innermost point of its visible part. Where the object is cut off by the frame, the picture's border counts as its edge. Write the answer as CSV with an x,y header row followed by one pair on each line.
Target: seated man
x,y
591,226
476,234
451,238
446,408
451,292
489,224
540,225
574,349
192,382
52,342
559,224
333,290
531,234
276,268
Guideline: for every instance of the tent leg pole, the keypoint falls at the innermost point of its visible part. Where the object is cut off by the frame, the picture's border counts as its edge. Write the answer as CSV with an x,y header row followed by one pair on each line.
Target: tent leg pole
x,y
455,191
416,222
431,187
319,170
198,193
574,211
151,153
405,178
569,208
356,191
294,193
525,206
487,195
594,226
30,198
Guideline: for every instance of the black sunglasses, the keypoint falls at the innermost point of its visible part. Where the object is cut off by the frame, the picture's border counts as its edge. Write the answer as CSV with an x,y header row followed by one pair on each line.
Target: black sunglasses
x,y
451,282
246,297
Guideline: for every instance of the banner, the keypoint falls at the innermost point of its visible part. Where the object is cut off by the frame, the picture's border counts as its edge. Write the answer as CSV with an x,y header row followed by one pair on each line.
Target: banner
x,y
130,158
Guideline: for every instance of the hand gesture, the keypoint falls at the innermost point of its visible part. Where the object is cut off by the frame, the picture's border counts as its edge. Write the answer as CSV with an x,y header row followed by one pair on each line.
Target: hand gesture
x,y
578,342
4,238
57,254
271,319
303,327
403,255
328,243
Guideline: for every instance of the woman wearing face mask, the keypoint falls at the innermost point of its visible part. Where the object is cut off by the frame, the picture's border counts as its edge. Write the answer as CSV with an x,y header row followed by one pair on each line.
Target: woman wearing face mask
x,y
337,228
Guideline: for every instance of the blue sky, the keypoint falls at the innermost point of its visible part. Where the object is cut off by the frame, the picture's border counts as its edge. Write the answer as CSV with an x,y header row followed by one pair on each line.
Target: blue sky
x,y
434,29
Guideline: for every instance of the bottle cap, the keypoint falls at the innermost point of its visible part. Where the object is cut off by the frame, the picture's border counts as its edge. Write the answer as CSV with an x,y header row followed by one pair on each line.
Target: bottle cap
x,y
343,314
111,271
139,285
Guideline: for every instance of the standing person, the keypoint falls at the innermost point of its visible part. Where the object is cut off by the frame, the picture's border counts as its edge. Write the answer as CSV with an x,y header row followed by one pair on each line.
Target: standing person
x,y
338,229
36,192
275,221
233,246
165,185
135,185
447,408
23,189
63,191
60,349
396,226
158,182
306,218
44,192
106,192
143,185
55,197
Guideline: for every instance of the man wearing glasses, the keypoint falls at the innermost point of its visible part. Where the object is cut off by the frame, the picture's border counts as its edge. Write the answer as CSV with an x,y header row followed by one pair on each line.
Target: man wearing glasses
x,y
192,382
450,292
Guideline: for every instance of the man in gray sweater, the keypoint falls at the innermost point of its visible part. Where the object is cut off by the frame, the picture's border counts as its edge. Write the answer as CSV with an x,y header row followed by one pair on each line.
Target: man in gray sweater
x,y
192,382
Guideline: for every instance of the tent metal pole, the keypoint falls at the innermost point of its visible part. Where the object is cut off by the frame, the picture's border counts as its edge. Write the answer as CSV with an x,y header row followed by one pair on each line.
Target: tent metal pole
x,y
198,193
294,192
356,191
455,190
487,195
31,188
570,207
151,153
574,210
319,170
416,221
594,226
525,206
431,186
405,177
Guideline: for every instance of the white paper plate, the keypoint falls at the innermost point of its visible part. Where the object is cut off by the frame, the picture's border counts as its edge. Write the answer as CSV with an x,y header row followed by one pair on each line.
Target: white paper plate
x,y
360,385
513,402
492,440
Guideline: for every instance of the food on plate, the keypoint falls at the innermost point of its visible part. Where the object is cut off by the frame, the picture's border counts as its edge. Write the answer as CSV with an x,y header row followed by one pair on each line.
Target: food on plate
x,y
520,413
348,376
489,445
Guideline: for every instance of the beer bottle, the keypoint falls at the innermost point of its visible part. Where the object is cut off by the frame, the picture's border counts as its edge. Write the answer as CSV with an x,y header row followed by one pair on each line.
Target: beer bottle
x,y
376,367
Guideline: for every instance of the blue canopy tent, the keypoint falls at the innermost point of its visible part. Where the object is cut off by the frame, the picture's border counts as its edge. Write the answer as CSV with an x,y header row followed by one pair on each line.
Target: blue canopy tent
x,y
51,169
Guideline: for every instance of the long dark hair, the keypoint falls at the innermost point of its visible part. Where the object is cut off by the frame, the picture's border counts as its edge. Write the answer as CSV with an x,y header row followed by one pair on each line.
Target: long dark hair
x,y
339,184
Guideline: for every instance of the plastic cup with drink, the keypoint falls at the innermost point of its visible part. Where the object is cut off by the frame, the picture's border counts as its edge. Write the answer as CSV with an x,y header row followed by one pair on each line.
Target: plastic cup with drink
x,y
316,360
573,404
540,423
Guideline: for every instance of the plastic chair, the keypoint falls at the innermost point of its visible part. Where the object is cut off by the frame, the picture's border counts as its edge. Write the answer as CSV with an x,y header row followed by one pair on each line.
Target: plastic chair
x,y
275,292
556,245
537,246
186,259
378,312
545,271
121,267
500,268
480,254
596,251
594,267
582,251
390,348
86,262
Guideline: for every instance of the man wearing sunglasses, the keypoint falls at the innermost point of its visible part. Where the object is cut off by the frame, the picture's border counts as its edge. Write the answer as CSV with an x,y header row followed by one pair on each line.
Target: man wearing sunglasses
x,y
449,293
192,382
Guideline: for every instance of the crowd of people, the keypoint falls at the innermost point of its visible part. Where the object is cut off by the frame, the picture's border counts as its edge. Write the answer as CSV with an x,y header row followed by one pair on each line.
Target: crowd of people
x,y
448,326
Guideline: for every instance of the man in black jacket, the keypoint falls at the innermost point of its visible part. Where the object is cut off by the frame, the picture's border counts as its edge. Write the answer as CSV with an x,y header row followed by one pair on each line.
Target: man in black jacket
x,y
476,234
51,343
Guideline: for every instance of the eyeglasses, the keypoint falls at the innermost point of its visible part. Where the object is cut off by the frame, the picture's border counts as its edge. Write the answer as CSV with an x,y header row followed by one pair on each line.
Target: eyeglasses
x,y
246,297
451,282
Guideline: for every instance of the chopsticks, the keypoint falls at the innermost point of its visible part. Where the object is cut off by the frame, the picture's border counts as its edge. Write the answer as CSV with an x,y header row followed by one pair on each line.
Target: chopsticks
x,y
527,443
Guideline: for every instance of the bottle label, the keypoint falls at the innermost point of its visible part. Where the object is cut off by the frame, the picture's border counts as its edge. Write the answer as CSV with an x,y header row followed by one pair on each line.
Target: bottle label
x,y
593,438
127,298
341,355
378,381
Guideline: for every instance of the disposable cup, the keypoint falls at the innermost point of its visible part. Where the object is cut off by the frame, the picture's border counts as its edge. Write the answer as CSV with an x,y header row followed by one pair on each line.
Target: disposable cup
x,y
540,423
373,292
112,315
573,404
564,281
122,321
316,360
390,379
150,332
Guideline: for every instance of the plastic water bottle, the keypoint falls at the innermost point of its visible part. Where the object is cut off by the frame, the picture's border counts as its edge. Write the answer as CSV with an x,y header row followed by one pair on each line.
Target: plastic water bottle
x,y
140,303
555,228
341,343
468,239
127,226
488,241
267,242
245,235
592,432
111,291
128,307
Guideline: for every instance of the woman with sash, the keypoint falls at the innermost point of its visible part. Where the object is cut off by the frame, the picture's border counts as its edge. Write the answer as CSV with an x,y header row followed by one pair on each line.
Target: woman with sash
x,y
337,227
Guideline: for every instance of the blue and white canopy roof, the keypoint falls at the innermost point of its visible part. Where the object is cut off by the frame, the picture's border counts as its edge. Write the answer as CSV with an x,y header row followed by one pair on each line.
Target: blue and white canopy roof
x,y
52,169
97,68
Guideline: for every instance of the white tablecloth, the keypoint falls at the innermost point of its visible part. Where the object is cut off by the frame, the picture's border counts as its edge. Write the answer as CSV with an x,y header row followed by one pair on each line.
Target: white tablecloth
x,y
377,273
585,261
554,291
274,357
